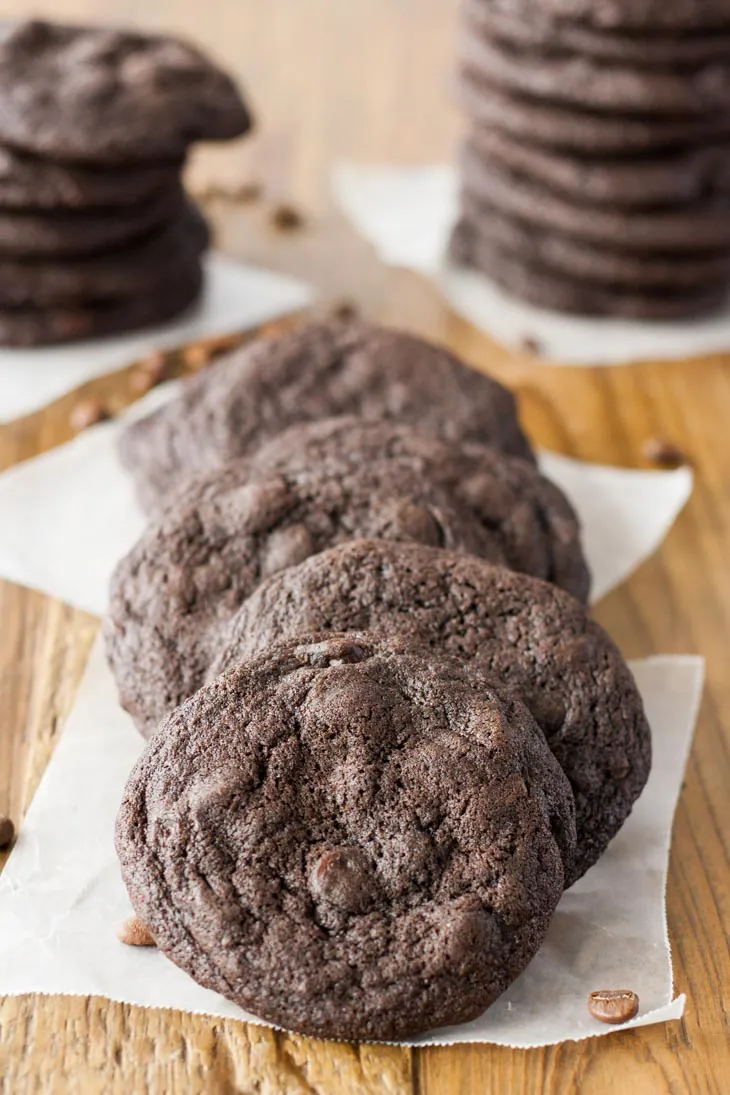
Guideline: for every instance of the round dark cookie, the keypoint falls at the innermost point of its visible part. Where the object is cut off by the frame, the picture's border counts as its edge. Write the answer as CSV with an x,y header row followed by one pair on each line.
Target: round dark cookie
x,y
531,636
172,596
690,175
635,15
575,79
29,182
85,231
525,521
44,326
319,370
554,126
481,243
559,36
550,288
702,226
145,266
347,838
109,96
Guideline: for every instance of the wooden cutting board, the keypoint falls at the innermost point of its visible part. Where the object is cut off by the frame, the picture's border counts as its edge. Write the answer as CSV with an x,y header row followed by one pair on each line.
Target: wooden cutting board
x,y
368,80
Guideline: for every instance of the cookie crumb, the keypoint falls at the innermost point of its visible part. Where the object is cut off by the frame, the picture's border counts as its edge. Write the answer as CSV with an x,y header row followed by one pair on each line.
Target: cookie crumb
x,y
345,311
613,1005
661,451
87,413
7,831
286,218
532,345
133,932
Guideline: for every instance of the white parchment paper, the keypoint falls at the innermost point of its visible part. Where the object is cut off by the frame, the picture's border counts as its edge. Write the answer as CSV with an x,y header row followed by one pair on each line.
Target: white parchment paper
x,y
68,516
65,519
407,214
236,296
61,896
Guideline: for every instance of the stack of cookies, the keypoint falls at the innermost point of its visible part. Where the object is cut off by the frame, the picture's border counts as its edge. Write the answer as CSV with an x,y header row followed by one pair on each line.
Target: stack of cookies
x,y
97,235
596,168
384,733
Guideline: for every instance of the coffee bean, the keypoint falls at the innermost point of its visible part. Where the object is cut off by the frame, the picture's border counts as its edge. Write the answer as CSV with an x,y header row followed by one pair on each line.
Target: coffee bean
x,y
660,451
286,218
7,831
133,932
613,1005
532,345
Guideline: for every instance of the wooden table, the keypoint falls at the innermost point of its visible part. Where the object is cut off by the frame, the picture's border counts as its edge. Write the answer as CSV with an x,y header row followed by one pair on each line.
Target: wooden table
x,y
368,79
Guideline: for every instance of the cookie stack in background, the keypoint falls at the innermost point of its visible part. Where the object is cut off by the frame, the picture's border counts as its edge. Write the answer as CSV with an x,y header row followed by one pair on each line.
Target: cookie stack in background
x,y
383,732
596,167
97,234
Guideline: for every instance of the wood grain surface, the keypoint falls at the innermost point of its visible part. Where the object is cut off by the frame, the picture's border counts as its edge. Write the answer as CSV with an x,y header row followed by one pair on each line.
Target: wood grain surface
x,y
369,80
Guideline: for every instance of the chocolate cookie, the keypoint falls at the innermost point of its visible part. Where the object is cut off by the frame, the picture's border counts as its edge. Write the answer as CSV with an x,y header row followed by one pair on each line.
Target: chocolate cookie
x,y
483,243
589,132
42,326
634,15
319,370
172,597
559,36
85,231
347,838
529,635
586,83
28,182
525,522
689,175
110,96
143,267
549,286
701,226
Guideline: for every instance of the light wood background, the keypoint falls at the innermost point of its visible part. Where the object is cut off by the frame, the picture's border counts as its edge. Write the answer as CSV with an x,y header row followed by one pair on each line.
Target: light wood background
x,y
369,80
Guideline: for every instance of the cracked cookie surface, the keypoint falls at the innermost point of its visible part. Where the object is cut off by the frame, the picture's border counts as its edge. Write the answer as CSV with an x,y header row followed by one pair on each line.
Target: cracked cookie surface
x,y
316,371
531,636
348,838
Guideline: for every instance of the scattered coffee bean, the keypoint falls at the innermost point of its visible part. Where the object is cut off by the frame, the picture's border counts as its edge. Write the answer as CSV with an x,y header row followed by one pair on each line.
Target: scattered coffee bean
x,y
87,413
286,218
532,345
133,932
613,1005
665,453
345,311
7,831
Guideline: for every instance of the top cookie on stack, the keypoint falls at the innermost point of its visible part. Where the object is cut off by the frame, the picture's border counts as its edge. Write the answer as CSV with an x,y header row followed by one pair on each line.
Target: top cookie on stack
x,y
596,170
96,233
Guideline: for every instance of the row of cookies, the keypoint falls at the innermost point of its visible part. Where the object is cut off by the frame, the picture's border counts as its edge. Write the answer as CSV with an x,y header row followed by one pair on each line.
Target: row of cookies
x,y
97,234
384,734
596,168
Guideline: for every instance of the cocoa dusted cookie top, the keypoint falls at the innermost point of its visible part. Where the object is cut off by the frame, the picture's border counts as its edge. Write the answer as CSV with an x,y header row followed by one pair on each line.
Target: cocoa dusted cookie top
x,y
648,15
319,370
525,521
529,635
103,95
348,838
